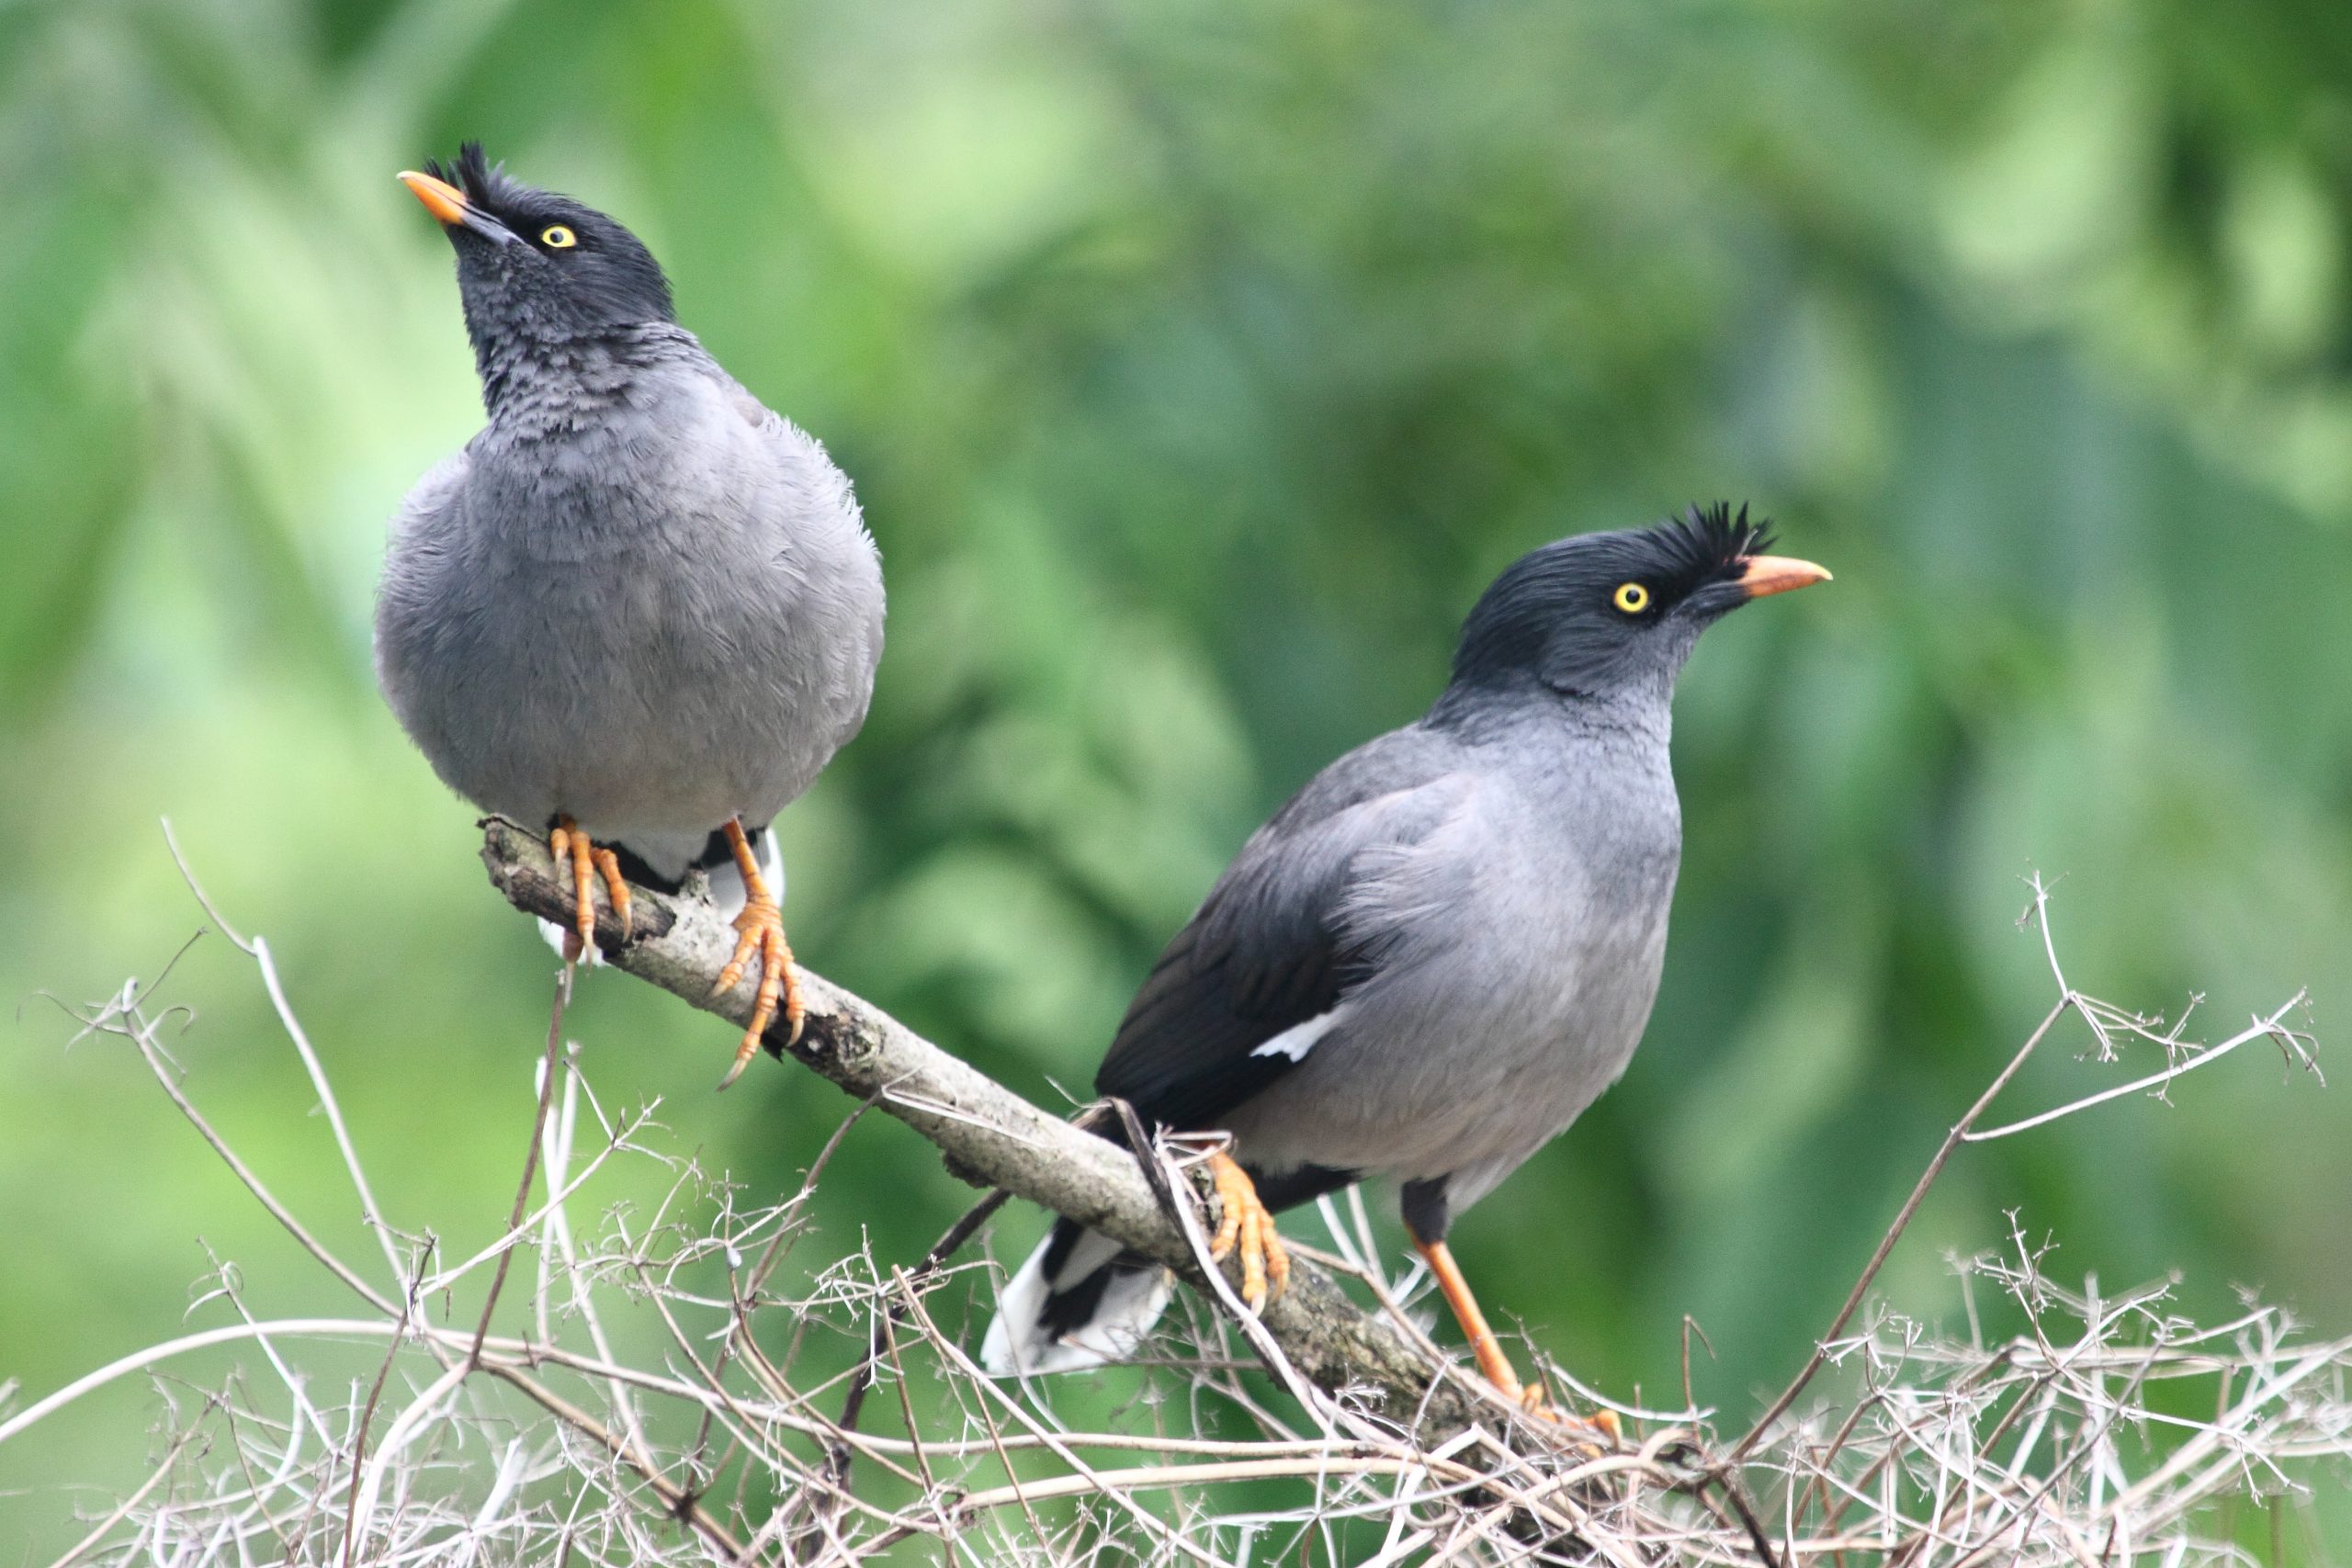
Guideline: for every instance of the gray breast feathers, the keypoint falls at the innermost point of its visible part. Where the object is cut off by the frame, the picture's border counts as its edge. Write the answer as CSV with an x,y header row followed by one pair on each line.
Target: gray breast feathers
x,y
665,617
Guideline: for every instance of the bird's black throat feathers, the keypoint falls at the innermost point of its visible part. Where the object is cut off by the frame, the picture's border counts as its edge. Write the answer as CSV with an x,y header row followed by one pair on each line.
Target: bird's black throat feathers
x,y
545,280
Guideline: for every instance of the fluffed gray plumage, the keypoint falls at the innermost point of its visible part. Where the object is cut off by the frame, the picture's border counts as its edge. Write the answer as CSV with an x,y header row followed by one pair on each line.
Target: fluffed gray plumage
x,y
639,600
1445,946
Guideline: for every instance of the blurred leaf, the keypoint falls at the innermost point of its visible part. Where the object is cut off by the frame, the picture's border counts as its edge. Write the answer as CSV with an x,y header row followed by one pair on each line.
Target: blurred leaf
x,y
1197,365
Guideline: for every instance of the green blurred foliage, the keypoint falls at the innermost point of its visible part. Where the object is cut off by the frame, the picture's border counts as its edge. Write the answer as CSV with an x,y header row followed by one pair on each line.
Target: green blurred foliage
x,y
1197,365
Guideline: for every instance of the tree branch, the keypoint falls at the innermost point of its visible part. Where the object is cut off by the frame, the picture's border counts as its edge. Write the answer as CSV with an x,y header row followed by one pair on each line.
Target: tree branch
x,y
990,1136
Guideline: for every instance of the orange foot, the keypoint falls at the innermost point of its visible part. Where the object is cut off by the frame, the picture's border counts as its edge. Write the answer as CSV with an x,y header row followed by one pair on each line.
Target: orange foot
x,y
1535,1401
760,930
1244,1222
1530,1398
570,848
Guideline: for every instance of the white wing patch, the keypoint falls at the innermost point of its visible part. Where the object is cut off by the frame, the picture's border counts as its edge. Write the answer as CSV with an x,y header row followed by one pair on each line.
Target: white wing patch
x,y
1299,1039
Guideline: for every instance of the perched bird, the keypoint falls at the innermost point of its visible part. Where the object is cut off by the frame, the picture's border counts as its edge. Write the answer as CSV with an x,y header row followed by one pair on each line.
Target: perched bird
x,y
638,607
1439,953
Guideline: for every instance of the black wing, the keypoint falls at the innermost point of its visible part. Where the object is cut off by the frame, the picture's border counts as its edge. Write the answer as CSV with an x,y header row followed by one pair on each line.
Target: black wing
x,y
1268,949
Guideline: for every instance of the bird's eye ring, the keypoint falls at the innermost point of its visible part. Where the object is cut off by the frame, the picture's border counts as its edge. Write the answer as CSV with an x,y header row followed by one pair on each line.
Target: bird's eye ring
x,y
1632,598
557,237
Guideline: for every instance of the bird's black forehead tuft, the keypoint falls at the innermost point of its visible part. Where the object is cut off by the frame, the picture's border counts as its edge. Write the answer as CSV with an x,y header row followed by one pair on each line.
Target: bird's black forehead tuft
x,y
1673,559
487,184
1705,540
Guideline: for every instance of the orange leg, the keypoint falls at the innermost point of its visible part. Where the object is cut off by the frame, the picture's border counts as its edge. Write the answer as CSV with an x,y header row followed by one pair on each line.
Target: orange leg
x,y
760,930
1492,1362
1483,1343
570,848
1244,1222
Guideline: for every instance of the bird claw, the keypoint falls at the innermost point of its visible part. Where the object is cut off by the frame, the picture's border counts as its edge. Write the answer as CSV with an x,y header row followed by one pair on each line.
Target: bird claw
x,y
1245,1223
587,863
1495,1366
759,930
1600,1428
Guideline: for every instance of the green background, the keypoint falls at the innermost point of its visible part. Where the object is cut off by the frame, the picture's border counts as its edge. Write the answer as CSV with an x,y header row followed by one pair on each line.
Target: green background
x,y
1196,365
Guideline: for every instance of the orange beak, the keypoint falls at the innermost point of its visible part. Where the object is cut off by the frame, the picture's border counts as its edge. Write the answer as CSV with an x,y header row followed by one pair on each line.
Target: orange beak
x,y
1779,574
441,199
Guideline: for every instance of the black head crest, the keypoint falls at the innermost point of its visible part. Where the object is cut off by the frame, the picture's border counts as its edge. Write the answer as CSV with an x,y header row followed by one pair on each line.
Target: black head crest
x,y
1708,539
485,183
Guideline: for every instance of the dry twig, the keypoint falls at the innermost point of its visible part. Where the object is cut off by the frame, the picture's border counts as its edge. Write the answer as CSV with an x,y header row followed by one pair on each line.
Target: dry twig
x,y
2065,1443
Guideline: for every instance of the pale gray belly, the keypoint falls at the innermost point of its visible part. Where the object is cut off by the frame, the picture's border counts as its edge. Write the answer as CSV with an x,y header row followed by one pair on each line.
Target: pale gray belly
x,y
659,685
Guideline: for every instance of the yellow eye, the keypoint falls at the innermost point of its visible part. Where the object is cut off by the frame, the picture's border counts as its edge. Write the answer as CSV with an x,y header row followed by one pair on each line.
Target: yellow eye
x,y
1632,598
555,237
